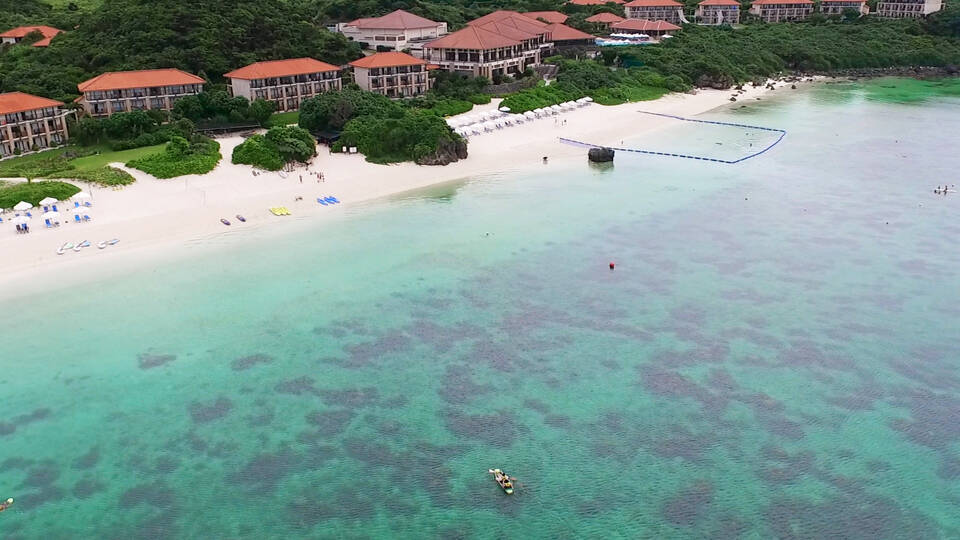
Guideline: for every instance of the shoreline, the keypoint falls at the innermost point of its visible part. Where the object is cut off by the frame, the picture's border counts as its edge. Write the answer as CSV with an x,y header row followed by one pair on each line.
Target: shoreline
x,y
156,218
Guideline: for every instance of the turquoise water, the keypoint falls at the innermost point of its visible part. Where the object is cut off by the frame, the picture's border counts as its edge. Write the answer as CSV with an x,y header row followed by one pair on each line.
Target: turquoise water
x,y
774,355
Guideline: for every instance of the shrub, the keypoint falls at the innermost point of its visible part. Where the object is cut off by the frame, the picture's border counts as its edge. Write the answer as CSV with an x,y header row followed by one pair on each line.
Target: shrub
x,y
259,152
181,157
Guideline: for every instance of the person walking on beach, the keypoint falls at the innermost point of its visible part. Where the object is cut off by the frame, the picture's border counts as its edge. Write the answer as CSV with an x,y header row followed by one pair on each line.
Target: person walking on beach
x,y
301,178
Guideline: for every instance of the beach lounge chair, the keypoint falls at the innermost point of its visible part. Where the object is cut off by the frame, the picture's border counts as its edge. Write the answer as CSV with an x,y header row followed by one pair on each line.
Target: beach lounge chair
x,y
86,217
76,218
76,204
321,201
47,223
54,208
29,215
87,204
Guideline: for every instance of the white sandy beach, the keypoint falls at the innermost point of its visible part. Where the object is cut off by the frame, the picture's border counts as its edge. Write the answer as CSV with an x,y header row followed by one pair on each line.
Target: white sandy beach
x,y
156,217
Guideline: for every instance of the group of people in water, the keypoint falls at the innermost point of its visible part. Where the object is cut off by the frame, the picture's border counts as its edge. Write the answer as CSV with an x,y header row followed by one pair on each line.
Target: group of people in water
x,y
944,190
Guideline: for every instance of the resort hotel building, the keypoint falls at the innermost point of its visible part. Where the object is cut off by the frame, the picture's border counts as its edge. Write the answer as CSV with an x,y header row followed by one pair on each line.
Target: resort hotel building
x,y
501,43
285,82
650,28
837,7
718,12
29,123
125,91
398,30
782,10
16,35
899,9
392,74
655,10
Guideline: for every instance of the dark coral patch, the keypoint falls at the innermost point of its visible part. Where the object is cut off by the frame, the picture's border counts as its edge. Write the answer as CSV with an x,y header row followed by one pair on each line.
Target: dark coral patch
x,y
864,517
203,412
458,386
353,398
15,463
689,505
264,471
41,476
35,416
247,362
495,429
31,500
150,361
536,405
87,487
330,423
7,428
366,354
369,452
557,420
89,459
166,465
156,495
296,387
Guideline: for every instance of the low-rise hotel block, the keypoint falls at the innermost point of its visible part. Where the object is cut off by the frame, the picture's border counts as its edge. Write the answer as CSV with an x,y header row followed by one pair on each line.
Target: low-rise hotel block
x,y
655,10
285,82
902,9
718,12
838,7
392,74
29,123
126,91
398,30
782,10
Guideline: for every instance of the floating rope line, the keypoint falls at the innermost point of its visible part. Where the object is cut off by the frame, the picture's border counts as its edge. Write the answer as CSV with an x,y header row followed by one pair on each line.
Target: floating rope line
x,y
782,133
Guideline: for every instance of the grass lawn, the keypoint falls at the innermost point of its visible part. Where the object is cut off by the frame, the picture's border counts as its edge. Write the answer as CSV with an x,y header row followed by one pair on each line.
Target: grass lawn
x,y
284,118
96,161
34,192
10,168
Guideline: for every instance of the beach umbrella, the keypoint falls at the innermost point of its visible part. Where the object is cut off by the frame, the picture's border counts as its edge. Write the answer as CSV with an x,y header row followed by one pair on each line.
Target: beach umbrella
x,y
556,108
504,109
22,205
51,215
20,220
81,195
530,114
47,200
588,99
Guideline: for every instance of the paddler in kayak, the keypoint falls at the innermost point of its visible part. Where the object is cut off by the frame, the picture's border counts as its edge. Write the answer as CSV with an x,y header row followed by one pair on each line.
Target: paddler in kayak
x,y
503,479
6,504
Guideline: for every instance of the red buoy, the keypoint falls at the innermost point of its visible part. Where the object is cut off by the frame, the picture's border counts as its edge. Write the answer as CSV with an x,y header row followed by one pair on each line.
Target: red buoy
x,y
612,266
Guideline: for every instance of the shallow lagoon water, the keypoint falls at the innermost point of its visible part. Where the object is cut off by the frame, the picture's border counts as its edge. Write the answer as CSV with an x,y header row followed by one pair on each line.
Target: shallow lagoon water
x,y
774,355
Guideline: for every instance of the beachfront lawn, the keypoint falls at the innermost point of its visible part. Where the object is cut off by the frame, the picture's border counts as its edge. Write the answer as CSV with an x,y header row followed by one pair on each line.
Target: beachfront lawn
x,y
283,119
625,93
97,161
34,192
90,166
104,176
180,158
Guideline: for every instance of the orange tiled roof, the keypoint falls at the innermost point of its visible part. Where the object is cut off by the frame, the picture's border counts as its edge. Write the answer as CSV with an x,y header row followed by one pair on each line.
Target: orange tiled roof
x,y
838,1
147,78
644,25
21,31
562,32
594,2
722,3
397,20
387,59
280,68
653,3
14,102
606,18
552,17
472,37
776,2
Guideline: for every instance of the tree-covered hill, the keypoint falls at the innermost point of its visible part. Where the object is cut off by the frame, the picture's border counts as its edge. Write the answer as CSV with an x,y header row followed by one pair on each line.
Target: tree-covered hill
x,y
208,38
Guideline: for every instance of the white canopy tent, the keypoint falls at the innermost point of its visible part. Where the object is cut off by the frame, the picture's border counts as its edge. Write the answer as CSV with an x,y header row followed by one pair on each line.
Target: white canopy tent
x,y
47,200
20,220
22,205
82,195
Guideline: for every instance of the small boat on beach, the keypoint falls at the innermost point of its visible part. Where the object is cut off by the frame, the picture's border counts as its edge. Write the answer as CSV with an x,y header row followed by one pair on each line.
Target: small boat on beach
x,y
101,244
241,219
64,247
81,245
224,221
503,480
113,242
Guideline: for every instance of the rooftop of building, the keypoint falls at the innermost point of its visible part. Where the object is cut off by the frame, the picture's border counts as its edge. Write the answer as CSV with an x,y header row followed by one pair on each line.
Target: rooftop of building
x,y
14,102
397,20
281,68
146,78
387,59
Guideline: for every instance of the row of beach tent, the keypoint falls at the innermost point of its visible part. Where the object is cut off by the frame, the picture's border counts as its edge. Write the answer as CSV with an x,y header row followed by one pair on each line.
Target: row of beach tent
x,y
485,122
51,213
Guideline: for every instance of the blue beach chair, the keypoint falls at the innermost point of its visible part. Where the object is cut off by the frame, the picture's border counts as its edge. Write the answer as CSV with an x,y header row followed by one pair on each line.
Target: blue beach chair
x,y
321,201
76,204
86,217
332,199
87,204
47,223
76,218
55,208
